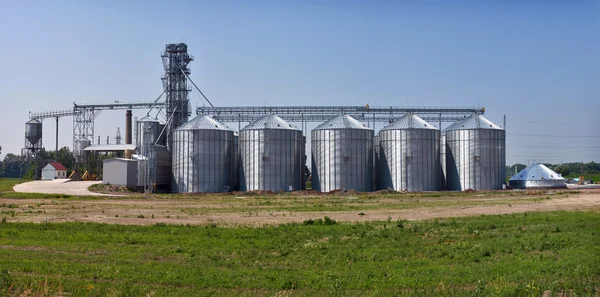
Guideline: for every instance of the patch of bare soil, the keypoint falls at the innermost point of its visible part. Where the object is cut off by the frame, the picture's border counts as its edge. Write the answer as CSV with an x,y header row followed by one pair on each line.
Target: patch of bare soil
x,y
200,211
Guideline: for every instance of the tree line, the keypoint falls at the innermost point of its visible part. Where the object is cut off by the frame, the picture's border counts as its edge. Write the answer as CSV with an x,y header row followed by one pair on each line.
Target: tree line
x,y
17,166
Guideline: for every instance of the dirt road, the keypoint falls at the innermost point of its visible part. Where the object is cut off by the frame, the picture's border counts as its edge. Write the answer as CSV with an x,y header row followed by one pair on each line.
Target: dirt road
x,y
58,186
248,211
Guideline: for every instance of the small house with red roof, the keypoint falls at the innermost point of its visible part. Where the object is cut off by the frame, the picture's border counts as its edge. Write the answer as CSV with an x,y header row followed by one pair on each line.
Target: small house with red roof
x,y
54,170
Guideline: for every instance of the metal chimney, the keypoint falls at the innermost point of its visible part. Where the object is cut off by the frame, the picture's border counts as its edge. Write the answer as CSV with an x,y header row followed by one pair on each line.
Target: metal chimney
x,y
128,129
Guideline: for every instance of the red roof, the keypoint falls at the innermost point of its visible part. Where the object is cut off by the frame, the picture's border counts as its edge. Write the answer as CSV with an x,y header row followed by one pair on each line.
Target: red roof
x,y
58,166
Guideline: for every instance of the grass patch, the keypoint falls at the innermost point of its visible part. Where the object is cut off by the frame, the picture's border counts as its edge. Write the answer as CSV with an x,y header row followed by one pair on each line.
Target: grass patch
x,y
7,184
518,254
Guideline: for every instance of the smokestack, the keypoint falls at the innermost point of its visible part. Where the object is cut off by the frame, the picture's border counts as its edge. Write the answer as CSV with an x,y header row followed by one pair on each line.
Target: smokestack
x,y
128,126
128,129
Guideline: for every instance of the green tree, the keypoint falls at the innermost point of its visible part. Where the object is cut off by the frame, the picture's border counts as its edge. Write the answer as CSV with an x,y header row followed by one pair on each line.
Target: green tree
x,y
562,169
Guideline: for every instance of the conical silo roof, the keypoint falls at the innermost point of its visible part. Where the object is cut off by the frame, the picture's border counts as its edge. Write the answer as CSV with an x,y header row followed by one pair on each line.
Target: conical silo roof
x,y
270,121
148,119
409,121
342,121
474,121
536,171
203,122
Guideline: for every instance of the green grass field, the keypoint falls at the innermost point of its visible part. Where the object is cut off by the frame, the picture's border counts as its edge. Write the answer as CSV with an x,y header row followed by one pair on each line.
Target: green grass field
x,y
6,184
520,254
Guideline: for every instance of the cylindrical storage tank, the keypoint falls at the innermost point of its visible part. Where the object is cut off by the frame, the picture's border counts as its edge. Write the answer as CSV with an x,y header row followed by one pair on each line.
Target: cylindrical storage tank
x,y
202,156
33,131
410,155
80,145
271,154
147,131
342,155
475,155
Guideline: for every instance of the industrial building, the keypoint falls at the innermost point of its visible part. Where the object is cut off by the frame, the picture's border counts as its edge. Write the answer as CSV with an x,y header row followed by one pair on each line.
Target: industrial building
x,y
475,155
410,155
536,176
120,172
342,155
170,154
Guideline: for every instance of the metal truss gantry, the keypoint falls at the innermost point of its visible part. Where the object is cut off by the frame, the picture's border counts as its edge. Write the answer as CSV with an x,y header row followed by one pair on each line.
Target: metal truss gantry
x,y
84,116
308,114
175,62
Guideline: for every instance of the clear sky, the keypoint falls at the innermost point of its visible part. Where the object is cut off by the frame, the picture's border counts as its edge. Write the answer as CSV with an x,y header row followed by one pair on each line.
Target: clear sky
x,y
538,62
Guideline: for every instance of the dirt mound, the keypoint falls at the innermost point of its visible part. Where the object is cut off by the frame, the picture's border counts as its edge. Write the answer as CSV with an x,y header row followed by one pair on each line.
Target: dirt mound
x,y
386,191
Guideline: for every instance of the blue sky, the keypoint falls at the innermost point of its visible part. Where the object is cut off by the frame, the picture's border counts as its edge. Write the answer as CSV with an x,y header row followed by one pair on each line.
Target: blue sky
x,y
538,62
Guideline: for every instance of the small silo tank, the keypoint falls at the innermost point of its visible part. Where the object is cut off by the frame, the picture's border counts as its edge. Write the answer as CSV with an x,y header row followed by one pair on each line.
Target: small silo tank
x,y
537,176
148,130
475,155
410,155
342,155
79,151
202,156
271,154
33,131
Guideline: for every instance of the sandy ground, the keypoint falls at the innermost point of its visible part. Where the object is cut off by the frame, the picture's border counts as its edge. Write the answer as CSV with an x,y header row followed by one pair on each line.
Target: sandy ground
x,y
139,211
58,186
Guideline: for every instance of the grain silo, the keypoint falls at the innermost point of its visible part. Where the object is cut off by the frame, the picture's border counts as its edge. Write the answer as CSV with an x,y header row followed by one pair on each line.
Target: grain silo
x,y
342,155
537,176
202,156
410,152
147,131
475,155
271,154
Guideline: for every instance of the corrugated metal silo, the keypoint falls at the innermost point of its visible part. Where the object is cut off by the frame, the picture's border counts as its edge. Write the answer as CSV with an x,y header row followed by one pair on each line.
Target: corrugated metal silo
x,y
410,152
80,145
342,155
271,154
475,155
33,131
202,156
147,131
